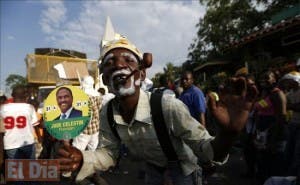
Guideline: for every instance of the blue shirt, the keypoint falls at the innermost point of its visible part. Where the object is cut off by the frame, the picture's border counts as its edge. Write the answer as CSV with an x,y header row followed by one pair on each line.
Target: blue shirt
x,y
194,99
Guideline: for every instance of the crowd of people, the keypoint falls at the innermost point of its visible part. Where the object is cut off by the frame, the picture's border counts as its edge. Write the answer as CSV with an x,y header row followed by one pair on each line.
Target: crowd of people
x,y
271,145
270,138
180,149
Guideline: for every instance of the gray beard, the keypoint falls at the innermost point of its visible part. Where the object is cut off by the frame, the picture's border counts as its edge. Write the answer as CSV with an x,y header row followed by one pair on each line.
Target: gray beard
x,y
125,91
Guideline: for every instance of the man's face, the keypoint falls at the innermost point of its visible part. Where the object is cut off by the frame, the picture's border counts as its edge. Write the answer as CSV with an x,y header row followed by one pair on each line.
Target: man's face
x,y
267,80
64,100
187,80
121,72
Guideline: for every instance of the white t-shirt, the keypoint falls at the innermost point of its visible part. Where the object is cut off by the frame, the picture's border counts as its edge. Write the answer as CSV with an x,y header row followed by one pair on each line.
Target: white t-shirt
x,y
18,119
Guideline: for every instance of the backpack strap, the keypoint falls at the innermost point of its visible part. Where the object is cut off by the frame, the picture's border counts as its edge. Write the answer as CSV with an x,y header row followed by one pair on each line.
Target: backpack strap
x,y
161,128
111,121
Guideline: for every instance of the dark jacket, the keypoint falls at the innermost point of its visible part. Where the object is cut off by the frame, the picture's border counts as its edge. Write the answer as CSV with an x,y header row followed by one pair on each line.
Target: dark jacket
x,y
74,113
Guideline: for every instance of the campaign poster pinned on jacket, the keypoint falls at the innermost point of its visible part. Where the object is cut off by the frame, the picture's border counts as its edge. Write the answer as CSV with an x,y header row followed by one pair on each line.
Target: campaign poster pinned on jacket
x,y
66,112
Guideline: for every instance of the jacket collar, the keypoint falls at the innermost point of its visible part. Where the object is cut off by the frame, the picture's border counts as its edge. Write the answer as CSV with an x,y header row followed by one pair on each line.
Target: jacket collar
x,y
142,112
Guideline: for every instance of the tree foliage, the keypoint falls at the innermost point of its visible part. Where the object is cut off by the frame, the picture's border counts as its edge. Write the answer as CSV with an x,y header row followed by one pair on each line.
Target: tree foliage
x,y
12,80
275,6
225,21
170,71
229,20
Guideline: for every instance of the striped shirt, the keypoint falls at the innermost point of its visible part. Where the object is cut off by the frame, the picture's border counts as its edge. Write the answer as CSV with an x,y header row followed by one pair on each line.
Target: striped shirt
x,y
95,107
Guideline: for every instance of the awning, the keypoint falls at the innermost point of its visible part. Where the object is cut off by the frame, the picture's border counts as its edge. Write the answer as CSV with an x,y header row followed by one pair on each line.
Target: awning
x,y
209,64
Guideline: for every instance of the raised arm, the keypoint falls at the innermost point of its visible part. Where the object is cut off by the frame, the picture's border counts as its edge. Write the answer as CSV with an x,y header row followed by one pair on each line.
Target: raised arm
x,y
231,112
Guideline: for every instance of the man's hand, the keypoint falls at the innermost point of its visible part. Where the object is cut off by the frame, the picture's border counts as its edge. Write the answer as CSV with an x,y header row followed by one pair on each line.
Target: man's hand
x,y
70,158
231,112
236,101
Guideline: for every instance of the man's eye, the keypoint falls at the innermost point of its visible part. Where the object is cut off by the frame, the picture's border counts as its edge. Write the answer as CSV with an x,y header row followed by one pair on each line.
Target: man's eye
x,y
128,59
108,63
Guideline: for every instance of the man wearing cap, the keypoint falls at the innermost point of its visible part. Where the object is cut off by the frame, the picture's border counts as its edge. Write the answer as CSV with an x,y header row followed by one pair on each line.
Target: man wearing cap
x,y
123,68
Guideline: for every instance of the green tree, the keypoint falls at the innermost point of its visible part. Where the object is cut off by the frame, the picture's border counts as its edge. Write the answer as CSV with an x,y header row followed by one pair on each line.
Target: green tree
x,y
155,79
275,6
170,71
224,22
12,80
227,21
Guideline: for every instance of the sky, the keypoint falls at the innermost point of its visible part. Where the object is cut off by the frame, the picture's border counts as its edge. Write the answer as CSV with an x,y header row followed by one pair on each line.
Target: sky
x,y
164,28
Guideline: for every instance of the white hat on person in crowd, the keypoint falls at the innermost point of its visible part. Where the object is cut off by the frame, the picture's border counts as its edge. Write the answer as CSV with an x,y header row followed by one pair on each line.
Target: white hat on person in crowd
x,y
294,75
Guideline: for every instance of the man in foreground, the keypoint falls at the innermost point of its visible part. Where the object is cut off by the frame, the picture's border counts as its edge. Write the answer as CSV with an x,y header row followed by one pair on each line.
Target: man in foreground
x,y
123,68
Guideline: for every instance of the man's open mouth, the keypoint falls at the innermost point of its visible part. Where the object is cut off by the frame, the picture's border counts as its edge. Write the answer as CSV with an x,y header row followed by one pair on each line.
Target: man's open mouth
x,y
119,79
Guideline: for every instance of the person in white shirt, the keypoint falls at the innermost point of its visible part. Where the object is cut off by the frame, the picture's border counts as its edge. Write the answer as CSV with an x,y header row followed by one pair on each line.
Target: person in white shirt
x,y
19,119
